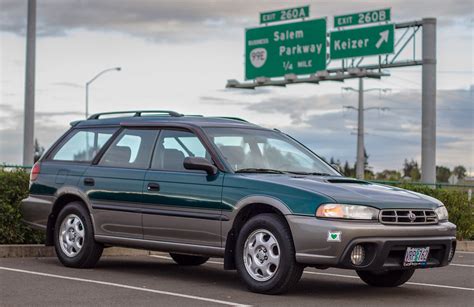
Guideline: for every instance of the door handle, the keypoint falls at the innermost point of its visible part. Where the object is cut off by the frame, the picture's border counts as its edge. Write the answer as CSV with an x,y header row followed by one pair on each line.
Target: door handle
x,y
89,181
153,186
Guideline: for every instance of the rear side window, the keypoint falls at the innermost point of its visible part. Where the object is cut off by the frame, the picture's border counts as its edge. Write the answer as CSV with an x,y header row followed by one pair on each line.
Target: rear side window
x,y
131,149
83,145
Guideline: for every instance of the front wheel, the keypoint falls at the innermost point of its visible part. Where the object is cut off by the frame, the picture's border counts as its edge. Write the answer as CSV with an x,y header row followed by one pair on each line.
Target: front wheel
x,y
389,278
265,255
182,259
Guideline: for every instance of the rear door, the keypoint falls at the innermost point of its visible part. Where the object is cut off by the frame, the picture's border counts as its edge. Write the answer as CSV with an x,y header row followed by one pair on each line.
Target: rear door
x,y
114,186
183,206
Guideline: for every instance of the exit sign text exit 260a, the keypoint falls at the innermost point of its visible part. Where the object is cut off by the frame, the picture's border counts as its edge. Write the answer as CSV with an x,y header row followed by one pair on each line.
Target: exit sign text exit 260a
x,y
360,42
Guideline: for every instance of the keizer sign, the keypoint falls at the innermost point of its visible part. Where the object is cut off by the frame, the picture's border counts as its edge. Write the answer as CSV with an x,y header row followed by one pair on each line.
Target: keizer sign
x,y
291,48
361,42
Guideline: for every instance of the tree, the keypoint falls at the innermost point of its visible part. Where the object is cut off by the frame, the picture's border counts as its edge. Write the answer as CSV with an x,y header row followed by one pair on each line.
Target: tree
x,y
38,151
390,175
442,174
348,171
411,169
459,171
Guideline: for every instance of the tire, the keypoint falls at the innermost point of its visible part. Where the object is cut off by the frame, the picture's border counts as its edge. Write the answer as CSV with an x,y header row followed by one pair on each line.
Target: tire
x,y
74,237
390,278
190,260
267,235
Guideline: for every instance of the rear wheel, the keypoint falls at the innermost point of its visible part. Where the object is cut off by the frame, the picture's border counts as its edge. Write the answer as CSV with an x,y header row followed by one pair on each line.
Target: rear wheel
x,y
74,238
389,278
182,259
265,255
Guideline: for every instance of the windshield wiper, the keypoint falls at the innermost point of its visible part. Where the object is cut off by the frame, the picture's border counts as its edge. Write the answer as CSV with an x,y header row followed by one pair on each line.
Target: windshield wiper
x,y
259,170
310,173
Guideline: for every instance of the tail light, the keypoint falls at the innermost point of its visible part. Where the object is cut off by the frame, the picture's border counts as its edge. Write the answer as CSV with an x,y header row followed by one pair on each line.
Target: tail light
x,y
35,171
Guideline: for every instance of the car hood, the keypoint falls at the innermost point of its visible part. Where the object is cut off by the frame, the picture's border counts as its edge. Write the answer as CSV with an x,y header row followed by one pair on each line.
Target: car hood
x,y
352,191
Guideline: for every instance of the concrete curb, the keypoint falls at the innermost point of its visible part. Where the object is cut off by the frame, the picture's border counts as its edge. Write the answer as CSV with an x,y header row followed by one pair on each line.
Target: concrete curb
x,y
465,246
38,250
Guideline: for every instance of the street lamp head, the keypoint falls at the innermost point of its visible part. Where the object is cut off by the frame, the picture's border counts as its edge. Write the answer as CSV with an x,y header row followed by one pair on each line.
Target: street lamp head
x,y
118,68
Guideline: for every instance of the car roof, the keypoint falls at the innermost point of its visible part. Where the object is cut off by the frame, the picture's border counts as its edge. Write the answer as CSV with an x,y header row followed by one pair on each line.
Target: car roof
x,y
160,118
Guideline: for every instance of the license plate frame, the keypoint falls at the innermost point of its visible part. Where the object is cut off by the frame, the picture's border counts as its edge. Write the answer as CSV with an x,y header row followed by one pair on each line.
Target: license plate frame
x,y
415,256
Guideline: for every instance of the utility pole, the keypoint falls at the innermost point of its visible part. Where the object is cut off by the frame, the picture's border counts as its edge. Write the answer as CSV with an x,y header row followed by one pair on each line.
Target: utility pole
x,y
29,111
360,162
428,102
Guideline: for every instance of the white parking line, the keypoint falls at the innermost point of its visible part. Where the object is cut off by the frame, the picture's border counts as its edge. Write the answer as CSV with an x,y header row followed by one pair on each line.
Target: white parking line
x,y
199,298
463,265
354,277
460,252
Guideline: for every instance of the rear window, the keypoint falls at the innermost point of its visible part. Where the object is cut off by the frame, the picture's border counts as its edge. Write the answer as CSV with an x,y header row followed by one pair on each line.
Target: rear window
x,y
82,145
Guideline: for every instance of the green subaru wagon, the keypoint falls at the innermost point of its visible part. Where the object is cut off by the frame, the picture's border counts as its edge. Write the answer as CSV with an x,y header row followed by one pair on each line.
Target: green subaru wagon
x,y
199,187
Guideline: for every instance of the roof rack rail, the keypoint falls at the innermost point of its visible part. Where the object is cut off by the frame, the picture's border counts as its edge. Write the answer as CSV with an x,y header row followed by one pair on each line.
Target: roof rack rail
x,y
136,113
233,118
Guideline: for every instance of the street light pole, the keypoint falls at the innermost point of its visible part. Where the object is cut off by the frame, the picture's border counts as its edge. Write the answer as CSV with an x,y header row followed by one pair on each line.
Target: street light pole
x,y
360,161
92,80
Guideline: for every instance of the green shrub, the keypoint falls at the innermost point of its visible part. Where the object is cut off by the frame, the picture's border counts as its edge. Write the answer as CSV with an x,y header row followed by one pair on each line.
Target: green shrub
x,y
13,188
460,209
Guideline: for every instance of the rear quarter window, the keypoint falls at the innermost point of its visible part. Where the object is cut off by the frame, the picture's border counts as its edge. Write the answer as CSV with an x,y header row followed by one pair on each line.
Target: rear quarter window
x,y
82,145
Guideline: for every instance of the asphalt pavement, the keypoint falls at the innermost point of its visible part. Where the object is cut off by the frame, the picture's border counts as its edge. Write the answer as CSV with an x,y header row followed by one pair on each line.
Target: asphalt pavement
x,y
157,280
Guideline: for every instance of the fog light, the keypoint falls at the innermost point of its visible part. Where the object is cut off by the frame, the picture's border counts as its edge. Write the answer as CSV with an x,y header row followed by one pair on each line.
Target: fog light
x,y
451,253
358,255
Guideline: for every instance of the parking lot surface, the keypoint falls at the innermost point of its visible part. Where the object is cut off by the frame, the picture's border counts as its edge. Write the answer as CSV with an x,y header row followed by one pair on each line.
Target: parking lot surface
x,y
157,280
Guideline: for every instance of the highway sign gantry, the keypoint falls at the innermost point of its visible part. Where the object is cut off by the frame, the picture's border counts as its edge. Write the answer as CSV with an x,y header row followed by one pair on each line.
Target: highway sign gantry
x,y
362,18
361,42
285,14
291,48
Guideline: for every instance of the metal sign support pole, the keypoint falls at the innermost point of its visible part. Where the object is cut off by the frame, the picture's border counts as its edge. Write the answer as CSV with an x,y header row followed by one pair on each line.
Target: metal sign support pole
x,y
428,102
29,112
360,164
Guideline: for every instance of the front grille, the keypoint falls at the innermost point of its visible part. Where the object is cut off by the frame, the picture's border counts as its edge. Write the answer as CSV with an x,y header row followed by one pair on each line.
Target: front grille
x,y
408,217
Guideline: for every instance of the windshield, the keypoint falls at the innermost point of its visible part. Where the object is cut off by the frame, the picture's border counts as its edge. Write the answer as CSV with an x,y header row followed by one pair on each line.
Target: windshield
x,y
255,150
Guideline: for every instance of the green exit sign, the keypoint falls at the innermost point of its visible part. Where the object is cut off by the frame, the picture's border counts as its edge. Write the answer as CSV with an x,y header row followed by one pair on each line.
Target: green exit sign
x,y
288,48
362,18
361,42
286,14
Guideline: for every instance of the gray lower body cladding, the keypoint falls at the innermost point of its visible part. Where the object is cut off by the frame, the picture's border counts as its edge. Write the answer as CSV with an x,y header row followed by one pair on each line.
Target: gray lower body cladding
x,y
385,244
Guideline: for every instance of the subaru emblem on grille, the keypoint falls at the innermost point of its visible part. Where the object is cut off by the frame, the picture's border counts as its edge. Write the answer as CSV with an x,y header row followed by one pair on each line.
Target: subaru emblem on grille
x,y
411,216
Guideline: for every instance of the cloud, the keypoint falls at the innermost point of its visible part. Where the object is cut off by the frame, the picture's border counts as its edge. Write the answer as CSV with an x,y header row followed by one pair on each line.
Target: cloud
x,y
197,20
47,130
391,136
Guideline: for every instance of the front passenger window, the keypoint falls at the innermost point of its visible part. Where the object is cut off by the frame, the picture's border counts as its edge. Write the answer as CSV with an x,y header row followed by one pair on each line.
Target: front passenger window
x,y
173,147
131,149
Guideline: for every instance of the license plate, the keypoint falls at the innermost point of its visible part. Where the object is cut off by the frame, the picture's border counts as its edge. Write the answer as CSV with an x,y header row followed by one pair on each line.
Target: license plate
x,y
416,256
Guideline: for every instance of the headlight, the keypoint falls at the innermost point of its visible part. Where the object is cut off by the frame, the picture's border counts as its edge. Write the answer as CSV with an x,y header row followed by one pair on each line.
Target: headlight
x,y
442,213
355,212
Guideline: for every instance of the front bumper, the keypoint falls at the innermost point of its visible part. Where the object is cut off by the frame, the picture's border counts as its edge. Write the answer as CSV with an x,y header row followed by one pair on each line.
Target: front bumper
x,y
385,244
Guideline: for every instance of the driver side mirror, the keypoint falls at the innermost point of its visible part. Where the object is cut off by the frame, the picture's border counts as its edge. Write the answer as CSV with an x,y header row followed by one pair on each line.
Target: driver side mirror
x,y
200,164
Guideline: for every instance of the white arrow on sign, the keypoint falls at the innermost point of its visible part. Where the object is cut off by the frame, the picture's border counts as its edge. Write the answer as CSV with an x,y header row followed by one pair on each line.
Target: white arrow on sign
x,y
383,38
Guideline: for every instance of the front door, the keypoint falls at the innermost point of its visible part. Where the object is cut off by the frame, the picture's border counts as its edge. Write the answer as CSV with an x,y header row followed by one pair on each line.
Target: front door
x,y
184,206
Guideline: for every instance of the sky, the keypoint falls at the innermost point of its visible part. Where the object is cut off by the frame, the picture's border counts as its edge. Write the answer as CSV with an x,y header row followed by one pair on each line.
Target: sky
x,y
179,55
